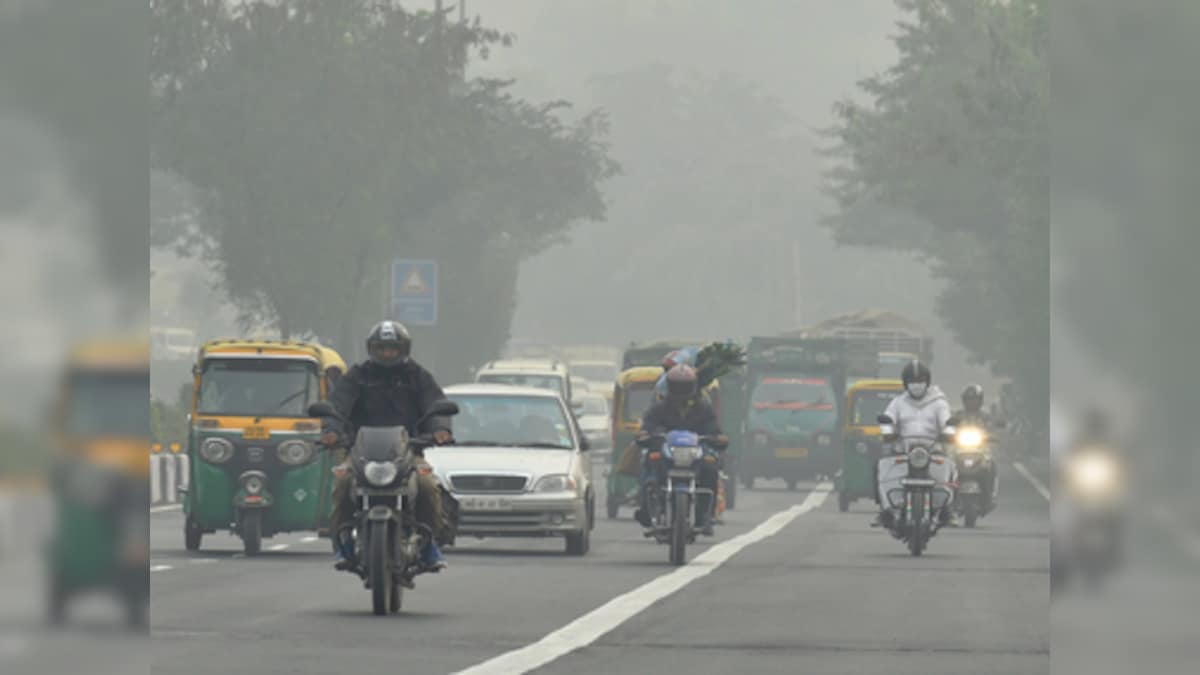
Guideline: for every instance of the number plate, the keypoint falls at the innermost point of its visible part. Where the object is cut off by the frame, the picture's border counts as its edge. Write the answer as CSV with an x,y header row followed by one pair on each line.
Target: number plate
x,y
485,503
918,482
256,433
791,453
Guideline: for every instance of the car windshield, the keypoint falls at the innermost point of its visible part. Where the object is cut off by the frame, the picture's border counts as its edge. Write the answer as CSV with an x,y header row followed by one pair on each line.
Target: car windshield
x,y
511,420
638,399
258,387
596,372
550,382
868,405
793,393
109,405
594,405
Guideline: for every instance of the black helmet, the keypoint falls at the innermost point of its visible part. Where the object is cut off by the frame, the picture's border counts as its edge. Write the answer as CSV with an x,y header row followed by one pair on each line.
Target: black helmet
x,y
389,334
916,371
972,398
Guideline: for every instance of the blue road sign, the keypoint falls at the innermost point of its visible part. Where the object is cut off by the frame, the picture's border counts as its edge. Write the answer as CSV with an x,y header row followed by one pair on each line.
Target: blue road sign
x,y
414,297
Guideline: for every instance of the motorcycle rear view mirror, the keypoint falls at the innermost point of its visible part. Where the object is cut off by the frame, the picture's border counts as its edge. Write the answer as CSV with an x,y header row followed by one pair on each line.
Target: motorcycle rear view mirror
x,y
885,419
441,408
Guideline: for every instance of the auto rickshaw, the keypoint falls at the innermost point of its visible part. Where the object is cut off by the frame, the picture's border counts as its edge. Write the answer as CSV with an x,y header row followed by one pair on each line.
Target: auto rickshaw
x,y
100,479
633,394
862,445
254,463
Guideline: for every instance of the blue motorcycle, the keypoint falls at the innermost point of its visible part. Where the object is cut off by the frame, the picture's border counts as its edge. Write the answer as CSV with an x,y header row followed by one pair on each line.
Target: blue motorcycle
x,y
672,463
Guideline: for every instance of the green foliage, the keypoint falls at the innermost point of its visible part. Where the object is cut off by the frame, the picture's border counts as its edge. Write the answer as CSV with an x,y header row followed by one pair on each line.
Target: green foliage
x,y
324,139
168,422
717,359
949,159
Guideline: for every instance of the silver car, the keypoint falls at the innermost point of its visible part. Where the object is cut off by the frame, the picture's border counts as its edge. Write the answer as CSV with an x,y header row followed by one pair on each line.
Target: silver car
x,y
519,467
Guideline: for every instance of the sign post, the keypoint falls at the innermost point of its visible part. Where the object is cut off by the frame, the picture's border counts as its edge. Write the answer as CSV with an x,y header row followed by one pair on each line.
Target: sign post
x,y
413,299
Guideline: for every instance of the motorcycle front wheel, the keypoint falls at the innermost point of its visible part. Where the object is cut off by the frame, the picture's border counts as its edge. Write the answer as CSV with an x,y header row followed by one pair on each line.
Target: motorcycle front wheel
x,y
916,537
380,568
679,528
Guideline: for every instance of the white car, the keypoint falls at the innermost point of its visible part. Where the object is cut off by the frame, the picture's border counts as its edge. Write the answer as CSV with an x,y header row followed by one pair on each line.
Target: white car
x,y
601,375
519,467
539,373
595,419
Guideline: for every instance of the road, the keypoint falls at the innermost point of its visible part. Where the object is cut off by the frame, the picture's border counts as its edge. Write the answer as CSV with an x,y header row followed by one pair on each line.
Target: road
x,y
825,594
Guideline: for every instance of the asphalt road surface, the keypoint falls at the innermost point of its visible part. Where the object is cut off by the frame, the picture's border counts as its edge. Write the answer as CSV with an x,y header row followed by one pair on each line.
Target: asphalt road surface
x,y
788,585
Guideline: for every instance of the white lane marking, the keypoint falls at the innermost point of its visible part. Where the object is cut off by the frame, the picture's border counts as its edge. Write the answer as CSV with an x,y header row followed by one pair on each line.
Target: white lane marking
x,y
278,547
165,507
160,568
592,626
1033,480
203,561
309,540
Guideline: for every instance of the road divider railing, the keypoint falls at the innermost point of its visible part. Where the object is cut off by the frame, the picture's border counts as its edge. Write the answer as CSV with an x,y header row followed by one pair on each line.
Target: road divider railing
x,y
168,473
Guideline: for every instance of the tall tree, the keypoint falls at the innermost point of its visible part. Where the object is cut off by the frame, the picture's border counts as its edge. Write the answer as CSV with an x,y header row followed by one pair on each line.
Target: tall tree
x,y
949,158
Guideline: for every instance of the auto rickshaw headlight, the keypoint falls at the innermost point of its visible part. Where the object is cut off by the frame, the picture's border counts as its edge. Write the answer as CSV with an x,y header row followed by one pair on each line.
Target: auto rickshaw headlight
x,y
253,485
216,450
380,473
295,453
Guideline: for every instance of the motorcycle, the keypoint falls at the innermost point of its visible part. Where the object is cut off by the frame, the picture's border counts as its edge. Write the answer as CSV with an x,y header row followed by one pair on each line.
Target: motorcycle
x,y
387,537
976,474
1087,517
674,459
917,486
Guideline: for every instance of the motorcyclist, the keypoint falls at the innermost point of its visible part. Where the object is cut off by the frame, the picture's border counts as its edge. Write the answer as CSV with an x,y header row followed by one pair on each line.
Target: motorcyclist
x,y
920,412
388,389
684,408
973,414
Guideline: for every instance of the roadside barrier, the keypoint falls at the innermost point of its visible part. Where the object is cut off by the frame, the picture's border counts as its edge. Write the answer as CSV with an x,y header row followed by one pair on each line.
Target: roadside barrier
x,y
168,473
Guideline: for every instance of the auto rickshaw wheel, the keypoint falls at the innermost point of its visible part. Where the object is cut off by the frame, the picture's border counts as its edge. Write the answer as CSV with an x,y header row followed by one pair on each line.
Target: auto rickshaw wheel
x,y
843,502
252,531
192,535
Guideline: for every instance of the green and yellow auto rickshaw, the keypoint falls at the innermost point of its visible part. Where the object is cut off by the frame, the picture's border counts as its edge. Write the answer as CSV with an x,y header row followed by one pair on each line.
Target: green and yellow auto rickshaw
x,y
100,478
862,445
794,388
253,462
633,394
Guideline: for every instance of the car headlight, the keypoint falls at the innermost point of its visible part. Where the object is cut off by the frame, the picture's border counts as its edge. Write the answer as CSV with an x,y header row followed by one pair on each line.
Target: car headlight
x,y
861,447
294,453
253,485
918,458
1093,474
380,473
216,450
684,456
824,439
559,482
969,437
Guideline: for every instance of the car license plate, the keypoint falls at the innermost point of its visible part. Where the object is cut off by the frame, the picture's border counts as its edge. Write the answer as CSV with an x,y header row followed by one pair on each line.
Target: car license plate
x,y
486,503
256,433
791,453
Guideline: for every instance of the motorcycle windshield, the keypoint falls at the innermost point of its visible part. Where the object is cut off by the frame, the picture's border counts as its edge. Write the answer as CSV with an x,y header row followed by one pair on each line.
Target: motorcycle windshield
x,y
381,444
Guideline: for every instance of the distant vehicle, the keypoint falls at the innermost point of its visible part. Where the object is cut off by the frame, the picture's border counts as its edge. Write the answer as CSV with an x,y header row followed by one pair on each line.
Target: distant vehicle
x,y
579,386
549,374
594,417
519,466
878,343
600,374
172,344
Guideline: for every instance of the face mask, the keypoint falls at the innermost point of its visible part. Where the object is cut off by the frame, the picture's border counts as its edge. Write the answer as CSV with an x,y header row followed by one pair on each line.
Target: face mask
x,y
917,389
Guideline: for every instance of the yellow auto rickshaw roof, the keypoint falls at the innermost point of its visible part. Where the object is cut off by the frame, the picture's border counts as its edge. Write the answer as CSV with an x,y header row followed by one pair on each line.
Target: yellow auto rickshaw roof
x,y
639,374
268,347
877,385
330,358
111,354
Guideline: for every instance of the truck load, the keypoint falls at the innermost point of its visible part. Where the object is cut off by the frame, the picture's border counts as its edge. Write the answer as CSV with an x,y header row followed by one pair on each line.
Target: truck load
x,y
892,338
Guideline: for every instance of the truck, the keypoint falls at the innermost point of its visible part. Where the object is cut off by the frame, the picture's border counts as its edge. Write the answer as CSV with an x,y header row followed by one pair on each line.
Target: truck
x,y
794,392
878,342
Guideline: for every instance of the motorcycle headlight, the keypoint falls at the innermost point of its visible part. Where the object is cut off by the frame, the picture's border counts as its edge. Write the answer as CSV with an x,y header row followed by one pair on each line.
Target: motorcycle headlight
x,y
380,474
294,453
969,437
861,447
216,450
918,458
824,439
253,485
559,482
1093,474
684,456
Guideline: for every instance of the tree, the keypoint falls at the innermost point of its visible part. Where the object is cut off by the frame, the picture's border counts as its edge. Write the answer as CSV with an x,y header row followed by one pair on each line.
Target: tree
x,y
949,158
324,139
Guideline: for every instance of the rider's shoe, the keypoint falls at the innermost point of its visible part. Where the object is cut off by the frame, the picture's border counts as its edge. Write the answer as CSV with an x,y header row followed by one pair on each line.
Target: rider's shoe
x,y
707,529
431,558
642,518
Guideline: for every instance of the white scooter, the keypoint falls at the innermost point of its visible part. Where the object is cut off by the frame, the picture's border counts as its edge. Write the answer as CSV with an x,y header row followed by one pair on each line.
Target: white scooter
x,y
916,485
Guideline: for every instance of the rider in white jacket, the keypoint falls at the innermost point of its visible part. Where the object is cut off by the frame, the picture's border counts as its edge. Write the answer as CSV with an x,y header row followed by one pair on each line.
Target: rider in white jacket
x,y
922,411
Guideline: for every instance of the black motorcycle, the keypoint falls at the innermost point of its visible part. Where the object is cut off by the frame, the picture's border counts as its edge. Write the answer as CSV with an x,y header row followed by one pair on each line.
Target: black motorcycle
x,y
388,539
